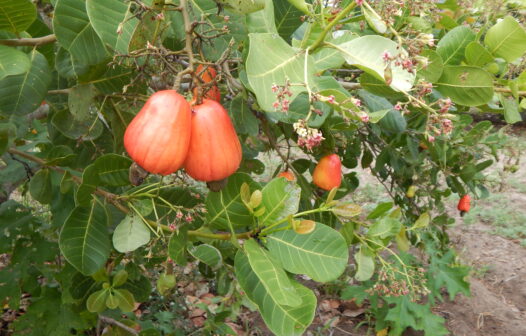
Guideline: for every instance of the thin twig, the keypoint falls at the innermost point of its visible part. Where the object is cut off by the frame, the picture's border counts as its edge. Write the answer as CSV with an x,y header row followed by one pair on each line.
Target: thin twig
x,y
109,320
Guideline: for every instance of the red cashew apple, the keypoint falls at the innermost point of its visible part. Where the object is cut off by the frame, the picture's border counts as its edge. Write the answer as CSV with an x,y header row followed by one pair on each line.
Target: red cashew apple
x,y
207,76
158,138
288,175
328,172
464,204
215,152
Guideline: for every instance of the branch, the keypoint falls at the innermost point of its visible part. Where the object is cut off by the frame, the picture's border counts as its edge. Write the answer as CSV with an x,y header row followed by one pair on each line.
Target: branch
x,y
188,30
34,41
350,86
114,200
331,24
109,320
507,90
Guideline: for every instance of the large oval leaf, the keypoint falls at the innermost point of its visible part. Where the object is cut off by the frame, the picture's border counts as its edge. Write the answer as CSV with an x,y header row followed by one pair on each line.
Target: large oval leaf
x,y
280,199
477,55
12,61
271,61
113,22
506,39
466,85
282,320
40,186
113,169
273,277
451,47
322,254
16,15
225,208
84,240
23,93
130,234
366,53
75,32
207,254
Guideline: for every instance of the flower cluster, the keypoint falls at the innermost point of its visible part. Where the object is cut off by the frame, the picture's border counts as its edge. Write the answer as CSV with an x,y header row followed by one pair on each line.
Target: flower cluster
x,y
440,123
400,59
283,95
391,283
307,137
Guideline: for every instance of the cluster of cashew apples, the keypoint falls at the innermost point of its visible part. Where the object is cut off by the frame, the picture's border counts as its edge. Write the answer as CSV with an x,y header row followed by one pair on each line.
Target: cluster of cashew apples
x,y
168,133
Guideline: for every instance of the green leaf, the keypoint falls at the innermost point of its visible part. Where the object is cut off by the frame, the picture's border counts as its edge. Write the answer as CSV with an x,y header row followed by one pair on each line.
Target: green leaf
x,y
206,10
68,67
383,228
96,302
477,55
141,288
114,80
364,263
401,240
422,221
13,62
120,278
506,39
75,129
90,181
226,207
466,85
207,254
282,320
403,314
126,300
357,293
452,46
130,234
75,33
243,6
16,15
271,275
374,20
380,209
434,68
329,58
165,283
84,238
113,22
287,18
262,21
177,247
511,109
347,210
444,272
376,86
244,120
366,53
271,61
280,199
113,170
40,186
321,254
80,99
22,94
